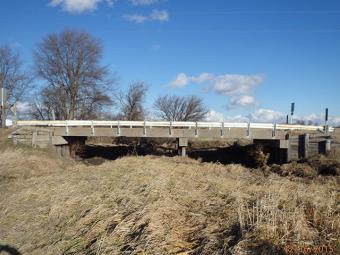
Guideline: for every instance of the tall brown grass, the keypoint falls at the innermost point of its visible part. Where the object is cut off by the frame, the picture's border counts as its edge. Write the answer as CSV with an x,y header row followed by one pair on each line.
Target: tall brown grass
x,y
159,205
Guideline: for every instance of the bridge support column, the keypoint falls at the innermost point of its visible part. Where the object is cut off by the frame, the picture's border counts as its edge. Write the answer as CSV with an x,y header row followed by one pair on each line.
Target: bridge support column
x,y
304,146
325,147
76,145
328,146
68,146
182,144
278,149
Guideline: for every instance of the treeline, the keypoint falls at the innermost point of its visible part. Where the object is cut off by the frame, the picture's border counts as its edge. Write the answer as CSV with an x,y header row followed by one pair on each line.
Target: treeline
x,y
67,81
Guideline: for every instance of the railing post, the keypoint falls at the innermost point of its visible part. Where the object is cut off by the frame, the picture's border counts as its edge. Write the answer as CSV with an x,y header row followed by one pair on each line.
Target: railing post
x,y
170,129
144,128
274,131
66,127
118,128
248,129
92,128
222,129
196,129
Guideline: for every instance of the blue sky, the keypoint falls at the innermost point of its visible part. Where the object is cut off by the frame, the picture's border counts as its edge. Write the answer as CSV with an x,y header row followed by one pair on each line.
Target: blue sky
x,y
243,57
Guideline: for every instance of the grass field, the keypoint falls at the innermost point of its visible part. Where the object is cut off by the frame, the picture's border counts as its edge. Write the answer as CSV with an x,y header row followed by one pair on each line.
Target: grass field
x,y
161,205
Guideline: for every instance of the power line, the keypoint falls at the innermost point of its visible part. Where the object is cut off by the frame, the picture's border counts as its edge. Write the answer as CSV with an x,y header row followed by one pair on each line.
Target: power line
x,y
302,30
252,12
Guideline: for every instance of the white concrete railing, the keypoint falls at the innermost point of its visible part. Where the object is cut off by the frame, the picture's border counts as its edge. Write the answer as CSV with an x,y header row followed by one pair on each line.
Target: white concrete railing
x,y
182,124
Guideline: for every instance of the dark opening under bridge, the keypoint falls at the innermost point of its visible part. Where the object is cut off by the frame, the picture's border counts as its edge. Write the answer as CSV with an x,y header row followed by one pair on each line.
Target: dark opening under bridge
x,y
292,141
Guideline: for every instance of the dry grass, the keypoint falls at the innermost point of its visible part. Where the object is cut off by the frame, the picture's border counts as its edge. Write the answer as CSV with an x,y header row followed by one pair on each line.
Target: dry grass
x,y
158,205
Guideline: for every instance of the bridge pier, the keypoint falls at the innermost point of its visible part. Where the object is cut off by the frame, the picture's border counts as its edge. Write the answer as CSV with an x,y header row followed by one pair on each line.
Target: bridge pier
x,y
296,147
279,149
68,146
63,150
182,144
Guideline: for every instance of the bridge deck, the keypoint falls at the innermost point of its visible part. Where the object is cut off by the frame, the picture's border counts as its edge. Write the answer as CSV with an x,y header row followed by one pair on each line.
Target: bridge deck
x,y
171,129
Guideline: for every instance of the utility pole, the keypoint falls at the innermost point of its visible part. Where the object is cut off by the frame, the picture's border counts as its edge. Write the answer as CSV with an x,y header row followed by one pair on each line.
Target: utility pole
x,y
3,107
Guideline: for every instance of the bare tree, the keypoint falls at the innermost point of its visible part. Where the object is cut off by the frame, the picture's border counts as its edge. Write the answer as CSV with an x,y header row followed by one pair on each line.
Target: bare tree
x,y
77,86
12,77
132,102
177,108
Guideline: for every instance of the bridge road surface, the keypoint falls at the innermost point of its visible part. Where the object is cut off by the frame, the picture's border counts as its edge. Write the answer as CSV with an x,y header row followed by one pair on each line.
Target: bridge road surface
x,y
166,129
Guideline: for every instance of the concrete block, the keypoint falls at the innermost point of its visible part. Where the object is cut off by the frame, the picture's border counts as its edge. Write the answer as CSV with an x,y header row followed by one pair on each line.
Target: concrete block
x,y
58,140
183,142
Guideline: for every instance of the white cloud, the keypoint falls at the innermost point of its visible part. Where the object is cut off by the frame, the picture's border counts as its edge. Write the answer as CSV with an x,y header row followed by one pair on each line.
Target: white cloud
x,y
243,101
318,119
235,84
80,6
135,18
111,2
155,15
203,78
158,15
238,87
335,121
144,2
267,115
271,116
181,81
215,116
228,84
77,6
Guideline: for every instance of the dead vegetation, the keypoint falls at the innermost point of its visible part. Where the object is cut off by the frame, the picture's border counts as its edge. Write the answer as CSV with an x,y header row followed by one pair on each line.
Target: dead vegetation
x,y
159,205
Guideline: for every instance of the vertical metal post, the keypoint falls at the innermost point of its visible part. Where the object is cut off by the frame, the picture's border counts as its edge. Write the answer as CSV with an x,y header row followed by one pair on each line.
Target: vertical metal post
x,y
292,109
326,121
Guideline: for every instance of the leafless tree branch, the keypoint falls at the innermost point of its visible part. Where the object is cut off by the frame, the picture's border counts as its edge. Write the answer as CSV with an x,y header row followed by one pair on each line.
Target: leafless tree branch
x,y
132,102
177,108
77,86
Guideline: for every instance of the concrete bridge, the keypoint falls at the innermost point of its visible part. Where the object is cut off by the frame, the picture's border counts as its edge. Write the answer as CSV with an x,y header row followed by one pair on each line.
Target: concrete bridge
x,y
291,141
